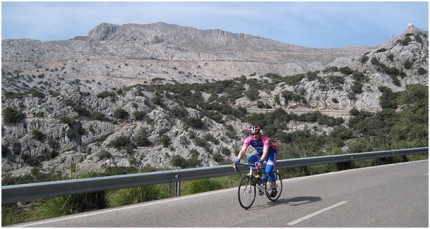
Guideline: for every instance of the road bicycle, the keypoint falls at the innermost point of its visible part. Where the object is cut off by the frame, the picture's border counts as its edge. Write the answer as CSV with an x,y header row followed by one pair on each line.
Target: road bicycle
x,y
249,184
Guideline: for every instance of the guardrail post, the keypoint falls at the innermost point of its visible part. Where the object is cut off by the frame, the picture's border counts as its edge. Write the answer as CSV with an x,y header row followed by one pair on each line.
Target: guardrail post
x,y
178,188
177,184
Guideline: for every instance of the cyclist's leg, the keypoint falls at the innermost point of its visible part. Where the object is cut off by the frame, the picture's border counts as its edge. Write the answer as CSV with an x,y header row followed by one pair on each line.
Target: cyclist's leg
x,y
252,159
271,159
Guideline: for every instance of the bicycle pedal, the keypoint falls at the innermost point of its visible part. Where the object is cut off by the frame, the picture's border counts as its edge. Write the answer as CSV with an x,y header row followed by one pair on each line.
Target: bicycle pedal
x,y
260,192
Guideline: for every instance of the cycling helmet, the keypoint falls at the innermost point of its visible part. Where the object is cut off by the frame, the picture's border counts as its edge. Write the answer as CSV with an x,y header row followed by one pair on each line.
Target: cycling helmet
x,y
254,129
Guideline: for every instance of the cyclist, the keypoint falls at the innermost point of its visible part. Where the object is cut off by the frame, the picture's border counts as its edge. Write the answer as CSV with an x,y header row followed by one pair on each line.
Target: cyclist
x,y
264,149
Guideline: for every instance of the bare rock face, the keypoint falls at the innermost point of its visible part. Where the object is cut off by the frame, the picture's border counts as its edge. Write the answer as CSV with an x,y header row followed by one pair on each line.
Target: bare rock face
x,y
72,73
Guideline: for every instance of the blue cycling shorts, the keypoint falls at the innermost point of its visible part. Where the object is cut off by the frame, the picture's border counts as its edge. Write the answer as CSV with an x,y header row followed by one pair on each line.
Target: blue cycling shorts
x,y
271,159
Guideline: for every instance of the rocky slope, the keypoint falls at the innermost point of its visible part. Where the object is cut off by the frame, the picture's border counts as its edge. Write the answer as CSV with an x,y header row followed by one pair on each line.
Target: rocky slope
x,y
111,57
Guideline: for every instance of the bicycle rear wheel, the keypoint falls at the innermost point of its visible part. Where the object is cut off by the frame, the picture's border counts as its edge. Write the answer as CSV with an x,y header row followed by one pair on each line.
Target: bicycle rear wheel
x,y
246,192
267,186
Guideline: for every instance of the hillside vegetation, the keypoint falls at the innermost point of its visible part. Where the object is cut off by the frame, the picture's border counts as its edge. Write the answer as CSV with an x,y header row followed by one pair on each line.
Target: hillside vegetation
x,y
58,116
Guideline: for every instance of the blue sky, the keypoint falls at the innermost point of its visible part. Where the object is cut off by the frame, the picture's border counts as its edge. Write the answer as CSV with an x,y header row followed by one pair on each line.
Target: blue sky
x,y
311,24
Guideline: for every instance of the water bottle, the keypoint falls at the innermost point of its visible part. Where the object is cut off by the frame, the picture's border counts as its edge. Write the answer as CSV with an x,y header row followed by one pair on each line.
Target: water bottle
x,y
258,178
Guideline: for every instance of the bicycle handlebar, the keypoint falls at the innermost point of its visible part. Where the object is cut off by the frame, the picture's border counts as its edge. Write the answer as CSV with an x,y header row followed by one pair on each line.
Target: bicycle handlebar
x,y
245,164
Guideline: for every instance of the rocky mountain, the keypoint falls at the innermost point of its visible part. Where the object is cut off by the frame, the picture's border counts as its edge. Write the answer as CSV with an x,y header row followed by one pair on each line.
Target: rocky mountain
x,y
135,54
61,87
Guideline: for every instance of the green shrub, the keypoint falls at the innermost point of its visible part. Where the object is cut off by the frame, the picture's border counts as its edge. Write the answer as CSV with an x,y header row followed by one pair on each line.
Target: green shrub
x,y
98,115
142,138
406,41
103,154
364,58
252,94
202,185
120,142
354,112
37,135
38,94
407,64
374,61
81,110
390,56
120,114
105,94
260,104
4,151
194,122
67,120
31,161
418,39
119,170
64,205
14,95
293,80
71,134
311,76
179,161
165,140
358,76
421,71
11,115
226,151
16,148
210,137
52,143
330,69
290,96
138,115
180,112
50,155
157,100
357,87
136,195
345,70
200,142
218,157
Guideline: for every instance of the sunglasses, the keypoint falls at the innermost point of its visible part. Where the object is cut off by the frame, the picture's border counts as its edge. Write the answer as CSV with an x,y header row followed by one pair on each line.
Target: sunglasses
x,y
254,134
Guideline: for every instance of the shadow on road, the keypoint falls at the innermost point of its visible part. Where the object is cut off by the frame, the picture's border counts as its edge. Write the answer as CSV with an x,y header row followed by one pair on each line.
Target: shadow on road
x,y
297,201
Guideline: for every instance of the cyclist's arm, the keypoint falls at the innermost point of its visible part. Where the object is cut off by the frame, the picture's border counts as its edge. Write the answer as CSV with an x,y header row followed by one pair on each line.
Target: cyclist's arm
x,y
242,151
265,152
266,146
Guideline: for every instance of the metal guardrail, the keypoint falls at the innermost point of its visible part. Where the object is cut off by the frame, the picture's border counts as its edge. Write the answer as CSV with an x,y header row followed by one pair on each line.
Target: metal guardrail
x,y
32,191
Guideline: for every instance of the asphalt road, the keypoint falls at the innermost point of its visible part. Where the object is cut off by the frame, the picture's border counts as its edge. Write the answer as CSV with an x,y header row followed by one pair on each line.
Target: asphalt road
x,y
393,195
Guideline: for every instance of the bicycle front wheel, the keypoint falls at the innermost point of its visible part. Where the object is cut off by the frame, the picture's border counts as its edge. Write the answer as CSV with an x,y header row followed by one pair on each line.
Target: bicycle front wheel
x,y
246,192
278,187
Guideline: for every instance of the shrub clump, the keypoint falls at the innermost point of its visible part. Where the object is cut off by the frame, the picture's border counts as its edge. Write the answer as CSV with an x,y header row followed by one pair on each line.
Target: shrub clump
x,y
11,115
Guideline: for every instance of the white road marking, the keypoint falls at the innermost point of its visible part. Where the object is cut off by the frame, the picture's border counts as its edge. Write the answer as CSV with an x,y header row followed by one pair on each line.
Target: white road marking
x,y
315,213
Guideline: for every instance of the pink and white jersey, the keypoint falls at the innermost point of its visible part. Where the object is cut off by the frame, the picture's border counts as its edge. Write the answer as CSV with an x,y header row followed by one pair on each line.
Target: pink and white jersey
x,y
258,145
